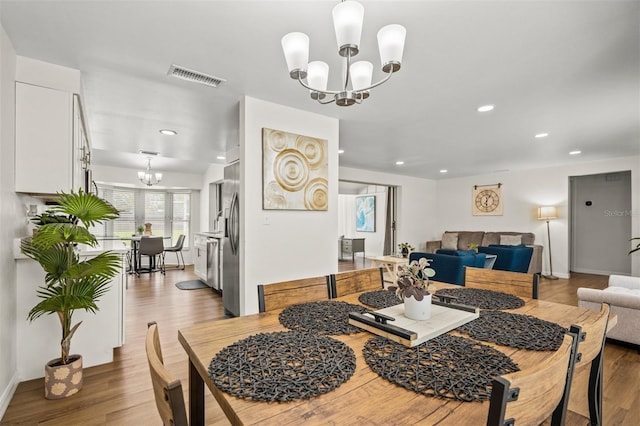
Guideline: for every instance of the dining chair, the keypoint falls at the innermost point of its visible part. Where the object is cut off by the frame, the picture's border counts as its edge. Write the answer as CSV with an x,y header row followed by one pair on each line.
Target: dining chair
x,y
286,293
515,283
533,395
167,390
177,249
357,281
154,249
591,339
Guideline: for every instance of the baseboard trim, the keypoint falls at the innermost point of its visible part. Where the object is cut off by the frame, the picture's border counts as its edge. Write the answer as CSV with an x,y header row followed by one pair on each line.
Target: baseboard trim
x,y
597,272
8,393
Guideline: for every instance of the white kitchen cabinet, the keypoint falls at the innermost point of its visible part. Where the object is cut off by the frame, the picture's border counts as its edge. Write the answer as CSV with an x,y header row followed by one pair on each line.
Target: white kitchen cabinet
x,y
51,141
200,256
39,341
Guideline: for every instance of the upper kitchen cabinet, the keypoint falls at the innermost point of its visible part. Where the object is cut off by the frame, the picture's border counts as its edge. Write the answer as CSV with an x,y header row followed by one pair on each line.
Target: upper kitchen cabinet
x,y
51,144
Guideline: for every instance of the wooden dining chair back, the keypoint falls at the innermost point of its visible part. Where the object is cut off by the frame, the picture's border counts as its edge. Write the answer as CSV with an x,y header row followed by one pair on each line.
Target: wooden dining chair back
x,y
166,389
531,396
286,293
591,339
357,281
515,283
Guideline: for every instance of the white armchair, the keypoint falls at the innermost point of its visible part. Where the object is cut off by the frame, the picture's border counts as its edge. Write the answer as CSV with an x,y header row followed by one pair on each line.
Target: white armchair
x,y
623,295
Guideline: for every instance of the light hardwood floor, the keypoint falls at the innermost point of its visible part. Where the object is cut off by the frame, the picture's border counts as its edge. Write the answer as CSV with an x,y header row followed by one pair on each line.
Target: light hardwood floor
x,y
120,393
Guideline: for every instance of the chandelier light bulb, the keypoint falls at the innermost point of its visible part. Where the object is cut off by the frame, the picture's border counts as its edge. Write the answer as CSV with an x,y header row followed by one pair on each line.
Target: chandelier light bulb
x,y
361,73
391,46
296,53
347,22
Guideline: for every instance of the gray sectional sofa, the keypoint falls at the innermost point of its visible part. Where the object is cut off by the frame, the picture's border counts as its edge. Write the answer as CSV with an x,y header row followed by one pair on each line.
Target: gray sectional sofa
x,y
462,240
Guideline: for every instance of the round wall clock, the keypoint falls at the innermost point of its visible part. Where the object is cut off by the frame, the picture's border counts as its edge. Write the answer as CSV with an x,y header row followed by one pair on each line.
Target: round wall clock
x,y
487,201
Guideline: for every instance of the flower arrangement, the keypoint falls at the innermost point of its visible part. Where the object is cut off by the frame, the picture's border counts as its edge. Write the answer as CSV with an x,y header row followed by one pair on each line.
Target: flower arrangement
x,y
413,280
405,248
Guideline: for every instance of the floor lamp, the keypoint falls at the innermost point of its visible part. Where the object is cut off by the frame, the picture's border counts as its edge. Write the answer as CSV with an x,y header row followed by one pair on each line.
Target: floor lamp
x,y
547,213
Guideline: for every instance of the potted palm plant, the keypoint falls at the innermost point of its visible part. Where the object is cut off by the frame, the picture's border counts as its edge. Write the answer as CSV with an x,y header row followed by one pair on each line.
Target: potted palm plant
x,y
71,282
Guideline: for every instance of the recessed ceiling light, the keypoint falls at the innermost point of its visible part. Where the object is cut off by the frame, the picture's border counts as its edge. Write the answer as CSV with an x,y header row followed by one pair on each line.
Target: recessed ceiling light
x,y
399,163
486,108
541,135
444,171
576,152
168,132
341,151
220,157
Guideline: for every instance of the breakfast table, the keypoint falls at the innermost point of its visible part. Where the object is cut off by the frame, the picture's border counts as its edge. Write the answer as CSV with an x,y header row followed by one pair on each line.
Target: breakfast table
x,y
366,397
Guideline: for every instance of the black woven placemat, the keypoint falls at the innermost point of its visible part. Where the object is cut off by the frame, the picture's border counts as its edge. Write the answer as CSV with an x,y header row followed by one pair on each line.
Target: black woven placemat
x,y
379,299
282,366
447,366
483,299
515,330
326,317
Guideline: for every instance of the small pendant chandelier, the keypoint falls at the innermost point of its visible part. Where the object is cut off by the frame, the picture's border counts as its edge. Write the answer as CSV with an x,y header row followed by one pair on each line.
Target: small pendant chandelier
x,y
347,21
149,178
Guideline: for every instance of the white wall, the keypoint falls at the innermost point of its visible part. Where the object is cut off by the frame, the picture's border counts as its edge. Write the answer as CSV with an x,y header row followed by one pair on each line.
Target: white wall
x,y
12,225
416,203
278,245
523,192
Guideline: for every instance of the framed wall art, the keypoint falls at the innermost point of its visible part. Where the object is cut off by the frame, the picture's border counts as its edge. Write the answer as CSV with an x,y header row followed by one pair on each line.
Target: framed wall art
x,y
366,213
294,171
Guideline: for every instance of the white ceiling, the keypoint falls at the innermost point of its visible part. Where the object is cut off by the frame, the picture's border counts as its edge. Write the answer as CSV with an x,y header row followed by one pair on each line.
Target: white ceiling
x,y
567,68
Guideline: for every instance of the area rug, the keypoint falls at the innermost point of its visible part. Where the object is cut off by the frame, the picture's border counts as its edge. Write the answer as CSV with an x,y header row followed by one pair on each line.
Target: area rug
x,y
191,285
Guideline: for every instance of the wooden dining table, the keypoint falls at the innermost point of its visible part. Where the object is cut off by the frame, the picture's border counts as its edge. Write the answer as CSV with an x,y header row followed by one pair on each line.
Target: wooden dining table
x,y
366,398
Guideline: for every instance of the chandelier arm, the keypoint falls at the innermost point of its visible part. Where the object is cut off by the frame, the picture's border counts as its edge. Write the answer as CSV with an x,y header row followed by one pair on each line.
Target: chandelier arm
x,y
330,100
384,80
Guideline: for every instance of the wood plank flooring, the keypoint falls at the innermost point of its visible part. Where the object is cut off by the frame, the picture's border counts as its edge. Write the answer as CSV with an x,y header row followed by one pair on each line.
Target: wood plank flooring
x,y
120,393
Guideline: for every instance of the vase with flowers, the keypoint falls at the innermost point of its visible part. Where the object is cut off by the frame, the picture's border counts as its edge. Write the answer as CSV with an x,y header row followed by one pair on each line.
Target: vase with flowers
x,y
414,288
405,248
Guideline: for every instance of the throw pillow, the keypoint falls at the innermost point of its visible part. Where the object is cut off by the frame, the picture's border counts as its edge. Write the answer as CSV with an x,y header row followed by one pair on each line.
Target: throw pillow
x,y
510,240
450,240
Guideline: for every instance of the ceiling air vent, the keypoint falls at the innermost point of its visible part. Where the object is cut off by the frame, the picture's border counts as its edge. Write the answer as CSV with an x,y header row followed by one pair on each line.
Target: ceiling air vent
x,y
195,76
150,153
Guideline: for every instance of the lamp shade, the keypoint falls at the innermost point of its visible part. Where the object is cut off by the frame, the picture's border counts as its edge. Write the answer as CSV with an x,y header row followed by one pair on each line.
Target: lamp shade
x,y
361,73
317,75
296,51
347,22
547,212
391,46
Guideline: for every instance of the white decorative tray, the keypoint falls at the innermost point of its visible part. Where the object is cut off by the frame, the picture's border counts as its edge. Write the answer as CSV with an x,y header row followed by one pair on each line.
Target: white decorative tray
x,y
394,325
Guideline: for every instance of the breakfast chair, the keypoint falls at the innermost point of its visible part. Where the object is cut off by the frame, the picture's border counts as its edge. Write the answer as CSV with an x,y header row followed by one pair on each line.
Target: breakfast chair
x,y
167,390
532,396
286,293
154,248
177,249
591,340
515,283
350,282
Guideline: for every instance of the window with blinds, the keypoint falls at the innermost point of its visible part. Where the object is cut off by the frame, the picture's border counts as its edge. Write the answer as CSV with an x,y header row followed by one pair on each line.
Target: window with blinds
x,y
169,213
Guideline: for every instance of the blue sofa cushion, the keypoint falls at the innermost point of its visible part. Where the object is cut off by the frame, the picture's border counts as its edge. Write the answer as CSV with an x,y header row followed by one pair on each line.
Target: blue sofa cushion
x,y
449,268
509,258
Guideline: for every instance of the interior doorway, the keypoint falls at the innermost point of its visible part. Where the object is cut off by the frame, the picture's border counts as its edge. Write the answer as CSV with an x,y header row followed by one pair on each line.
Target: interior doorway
x,y
600,226
380,239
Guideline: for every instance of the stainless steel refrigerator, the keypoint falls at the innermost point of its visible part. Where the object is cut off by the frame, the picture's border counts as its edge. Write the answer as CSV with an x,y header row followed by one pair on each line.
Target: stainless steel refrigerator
x,y
230,254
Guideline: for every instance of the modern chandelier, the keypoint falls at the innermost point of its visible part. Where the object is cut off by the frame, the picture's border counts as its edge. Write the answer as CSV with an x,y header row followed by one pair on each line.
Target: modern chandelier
x,y
149,178
347,22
